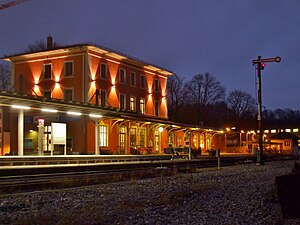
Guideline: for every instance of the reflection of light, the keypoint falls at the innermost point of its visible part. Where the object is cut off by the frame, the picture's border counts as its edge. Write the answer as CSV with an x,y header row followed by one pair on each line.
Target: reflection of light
x,y
160,129
20,107
95,115
49,110
74,113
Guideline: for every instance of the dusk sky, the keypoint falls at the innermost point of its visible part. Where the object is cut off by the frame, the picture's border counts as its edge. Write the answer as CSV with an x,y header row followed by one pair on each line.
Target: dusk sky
x,y
188,37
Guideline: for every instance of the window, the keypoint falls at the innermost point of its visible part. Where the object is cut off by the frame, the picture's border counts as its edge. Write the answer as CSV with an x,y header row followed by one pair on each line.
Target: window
x,y
47,71
47,94
132,137
156,140
122,101
143,81
132,103
68,69
143,137
156,108
103,137
287,143
103,98
156,85
142,105
68,93
132,78
122,76
103,70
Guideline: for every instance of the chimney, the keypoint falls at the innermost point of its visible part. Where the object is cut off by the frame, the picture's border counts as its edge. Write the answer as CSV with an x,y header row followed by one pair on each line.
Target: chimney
x,y
49,42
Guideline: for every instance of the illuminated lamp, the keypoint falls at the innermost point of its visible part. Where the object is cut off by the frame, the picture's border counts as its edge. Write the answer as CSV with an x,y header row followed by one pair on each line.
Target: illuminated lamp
x,y
49,110
160,129
74,113
95,115
20,107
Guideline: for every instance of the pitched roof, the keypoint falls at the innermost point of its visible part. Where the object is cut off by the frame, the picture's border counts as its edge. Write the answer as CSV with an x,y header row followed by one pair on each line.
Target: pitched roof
x,y
285,135
92,46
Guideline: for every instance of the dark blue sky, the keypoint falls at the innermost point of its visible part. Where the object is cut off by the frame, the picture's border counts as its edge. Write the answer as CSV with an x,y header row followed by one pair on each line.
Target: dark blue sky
x,y
187,37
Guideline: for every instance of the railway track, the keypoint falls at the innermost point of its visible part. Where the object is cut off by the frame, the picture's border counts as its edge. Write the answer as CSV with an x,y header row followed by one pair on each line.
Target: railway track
x,y
33,179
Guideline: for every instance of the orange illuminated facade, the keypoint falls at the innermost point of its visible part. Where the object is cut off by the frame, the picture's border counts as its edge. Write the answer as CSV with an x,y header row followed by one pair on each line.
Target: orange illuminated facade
x,y
110,103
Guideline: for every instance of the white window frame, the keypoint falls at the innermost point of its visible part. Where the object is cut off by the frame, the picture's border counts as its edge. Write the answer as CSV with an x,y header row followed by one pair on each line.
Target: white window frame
x,y
122,94
120,80
132,104
145,137
44,70
142,109
145,81
132,81
103,135
69,89
100,71
101,97
65,69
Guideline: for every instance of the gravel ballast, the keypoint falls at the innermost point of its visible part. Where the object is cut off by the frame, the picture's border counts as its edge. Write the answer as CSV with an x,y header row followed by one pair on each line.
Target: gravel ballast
x,y
242,194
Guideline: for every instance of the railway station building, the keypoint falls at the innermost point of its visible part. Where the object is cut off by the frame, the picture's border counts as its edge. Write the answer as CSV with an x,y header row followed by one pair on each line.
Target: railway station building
x,y
88,99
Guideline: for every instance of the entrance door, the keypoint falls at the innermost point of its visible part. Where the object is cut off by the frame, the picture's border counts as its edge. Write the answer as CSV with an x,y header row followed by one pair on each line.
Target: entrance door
x,y
47,140
122,140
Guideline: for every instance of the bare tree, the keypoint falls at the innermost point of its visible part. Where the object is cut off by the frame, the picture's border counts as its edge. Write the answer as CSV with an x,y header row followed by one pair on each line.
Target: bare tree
x,y
241,106
4,76
203,92
39,46
176,96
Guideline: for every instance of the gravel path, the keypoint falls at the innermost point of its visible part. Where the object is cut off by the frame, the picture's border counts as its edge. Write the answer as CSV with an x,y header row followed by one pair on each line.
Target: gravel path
x,y
242,194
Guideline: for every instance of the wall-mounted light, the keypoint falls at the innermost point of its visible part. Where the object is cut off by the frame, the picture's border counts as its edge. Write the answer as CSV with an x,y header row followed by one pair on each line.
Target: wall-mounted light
x,y
95,115
160,129
49,110
74,113
20,107
30,131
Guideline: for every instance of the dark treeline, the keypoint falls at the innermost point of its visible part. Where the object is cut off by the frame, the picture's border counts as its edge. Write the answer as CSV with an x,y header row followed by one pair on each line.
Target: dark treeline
x,y
203,101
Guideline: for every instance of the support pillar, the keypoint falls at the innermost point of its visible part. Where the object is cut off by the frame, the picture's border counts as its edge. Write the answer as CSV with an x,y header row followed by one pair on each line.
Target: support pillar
x,y
20,132
97,152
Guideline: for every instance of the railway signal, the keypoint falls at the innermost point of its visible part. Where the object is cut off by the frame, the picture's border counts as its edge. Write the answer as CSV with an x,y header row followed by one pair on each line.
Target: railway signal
x,y
260,65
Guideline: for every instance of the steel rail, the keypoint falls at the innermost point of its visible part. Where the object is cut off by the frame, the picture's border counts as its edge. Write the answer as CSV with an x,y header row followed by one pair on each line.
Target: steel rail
x,y
42,181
